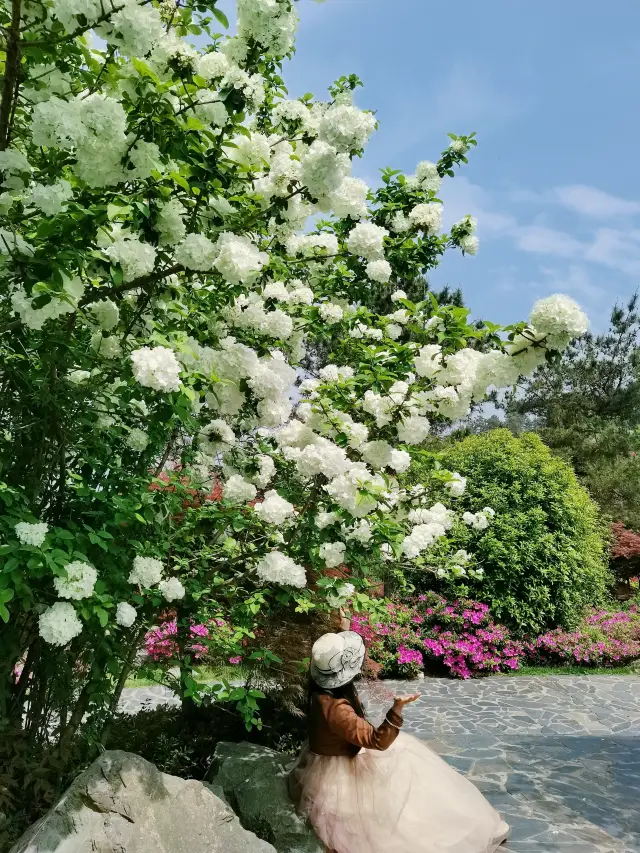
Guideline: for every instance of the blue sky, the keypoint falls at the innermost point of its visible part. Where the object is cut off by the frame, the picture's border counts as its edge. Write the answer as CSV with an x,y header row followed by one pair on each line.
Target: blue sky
x,y
551,88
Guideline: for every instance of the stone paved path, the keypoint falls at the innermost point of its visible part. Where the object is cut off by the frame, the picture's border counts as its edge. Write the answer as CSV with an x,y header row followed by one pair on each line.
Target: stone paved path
x,y
559,757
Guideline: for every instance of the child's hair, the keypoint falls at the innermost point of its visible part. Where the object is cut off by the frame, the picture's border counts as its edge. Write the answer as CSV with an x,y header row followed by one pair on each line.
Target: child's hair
x,y
345,691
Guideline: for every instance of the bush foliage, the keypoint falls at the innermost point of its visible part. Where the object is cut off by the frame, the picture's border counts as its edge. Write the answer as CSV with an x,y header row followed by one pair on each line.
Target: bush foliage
x,y
544,556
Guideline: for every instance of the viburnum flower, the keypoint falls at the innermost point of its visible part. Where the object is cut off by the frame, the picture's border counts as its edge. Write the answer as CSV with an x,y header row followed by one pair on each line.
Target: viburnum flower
x,y
79,581
172,589
156,368
274,509
332,553
276,567
456,485
31,534
147,571
125,614
239,490
59,624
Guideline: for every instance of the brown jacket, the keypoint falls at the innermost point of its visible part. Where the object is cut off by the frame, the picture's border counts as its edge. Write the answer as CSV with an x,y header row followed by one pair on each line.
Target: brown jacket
x,y
336,729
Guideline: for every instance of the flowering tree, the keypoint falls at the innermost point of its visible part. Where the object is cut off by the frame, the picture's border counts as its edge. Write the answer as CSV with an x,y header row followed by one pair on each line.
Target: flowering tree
x,y
157,293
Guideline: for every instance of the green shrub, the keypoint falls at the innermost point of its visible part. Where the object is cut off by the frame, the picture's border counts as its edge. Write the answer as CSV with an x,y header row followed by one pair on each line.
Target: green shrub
x,y
544,555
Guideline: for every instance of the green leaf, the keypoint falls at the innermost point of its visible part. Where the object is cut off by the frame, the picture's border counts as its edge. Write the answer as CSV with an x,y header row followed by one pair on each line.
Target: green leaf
x,y
221,17
103,616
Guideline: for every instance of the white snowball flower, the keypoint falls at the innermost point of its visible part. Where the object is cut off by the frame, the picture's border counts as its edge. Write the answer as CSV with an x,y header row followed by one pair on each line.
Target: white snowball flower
x,y
156,368
31,534
428,177
238,259
323,169
346,127
325,519
427,217
397,295
428,362
78,377
239,490
332,553
196,252
458,146
560,319
456,486
135,257
400,461
106,347
276,567
137,439
106,313
366,239
413,429
393,331
125,614
267,470
376,453
170,222
59,624
350,199
379,271
331,313
171,590
79,581
470,244
52,198
274,509
147,571
216,437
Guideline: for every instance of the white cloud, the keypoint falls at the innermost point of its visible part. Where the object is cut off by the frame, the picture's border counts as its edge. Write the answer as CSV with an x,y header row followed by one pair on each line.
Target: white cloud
x,y
548,241
592,202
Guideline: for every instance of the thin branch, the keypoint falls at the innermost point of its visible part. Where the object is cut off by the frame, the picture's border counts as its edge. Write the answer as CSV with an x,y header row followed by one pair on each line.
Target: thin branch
x,y
11,75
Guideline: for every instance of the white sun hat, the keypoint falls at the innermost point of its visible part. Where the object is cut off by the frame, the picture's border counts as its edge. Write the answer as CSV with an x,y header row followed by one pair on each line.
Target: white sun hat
x,y
337,658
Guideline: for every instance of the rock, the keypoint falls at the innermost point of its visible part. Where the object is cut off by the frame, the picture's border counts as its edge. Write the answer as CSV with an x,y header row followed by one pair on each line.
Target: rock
x,y
123,804
253,779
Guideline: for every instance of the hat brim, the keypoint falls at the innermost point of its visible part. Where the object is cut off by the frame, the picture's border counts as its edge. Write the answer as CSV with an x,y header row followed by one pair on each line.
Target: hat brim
x,y
331,680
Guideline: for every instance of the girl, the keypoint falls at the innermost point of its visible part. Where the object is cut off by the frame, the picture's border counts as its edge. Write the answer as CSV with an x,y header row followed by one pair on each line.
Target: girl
x,y
368,790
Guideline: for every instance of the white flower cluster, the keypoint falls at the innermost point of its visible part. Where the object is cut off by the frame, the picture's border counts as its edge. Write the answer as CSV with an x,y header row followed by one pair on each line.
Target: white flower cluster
x,y
146,571
125,614
479,520
270,23
427,217
276,567
137,439
456,486
79,581
31,534
58,305
172,589
366,239
59,624
558,319
274,509
106,313
93,126
332,553
346,128
51,198
135,257
430,525
238,490
157,368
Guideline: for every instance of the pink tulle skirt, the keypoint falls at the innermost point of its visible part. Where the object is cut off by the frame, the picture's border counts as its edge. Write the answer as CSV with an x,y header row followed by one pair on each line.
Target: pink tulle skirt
x,y
404,800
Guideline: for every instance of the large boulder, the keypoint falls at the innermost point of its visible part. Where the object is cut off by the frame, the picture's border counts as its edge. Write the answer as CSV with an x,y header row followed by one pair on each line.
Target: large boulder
x,y
253,779
123,804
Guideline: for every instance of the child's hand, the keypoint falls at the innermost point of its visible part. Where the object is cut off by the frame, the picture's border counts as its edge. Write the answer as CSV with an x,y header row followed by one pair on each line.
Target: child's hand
x,y
400,701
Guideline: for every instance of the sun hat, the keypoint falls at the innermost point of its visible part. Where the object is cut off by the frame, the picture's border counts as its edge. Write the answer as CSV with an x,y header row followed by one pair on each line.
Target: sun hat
x,y
336,659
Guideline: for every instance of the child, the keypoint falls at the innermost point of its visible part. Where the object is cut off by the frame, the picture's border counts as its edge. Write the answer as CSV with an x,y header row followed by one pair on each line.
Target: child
x,y
368,790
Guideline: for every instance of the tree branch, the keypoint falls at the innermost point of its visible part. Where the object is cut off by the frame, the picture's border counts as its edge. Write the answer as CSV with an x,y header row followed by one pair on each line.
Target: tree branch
x,y
11,75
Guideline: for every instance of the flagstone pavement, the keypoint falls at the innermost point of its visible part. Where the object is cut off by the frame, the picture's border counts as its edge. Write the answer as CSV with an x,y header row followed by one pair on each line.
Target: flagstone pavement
x,y
558,756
